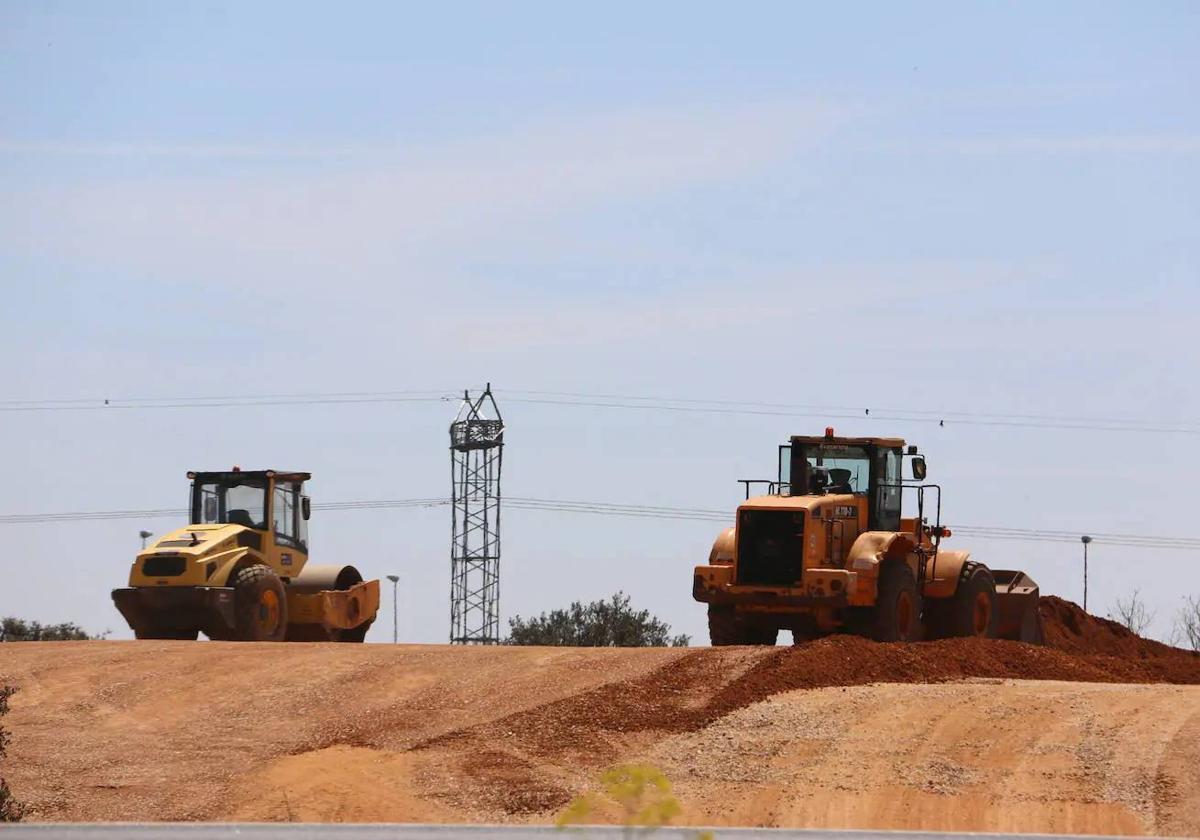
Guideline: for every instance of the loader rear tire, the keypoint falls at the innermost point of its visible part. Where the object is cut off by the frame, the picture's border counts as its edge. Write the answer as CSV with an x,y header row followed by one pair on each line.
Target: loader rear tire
x,y
972,610
726,627
260,605
897,606
164,633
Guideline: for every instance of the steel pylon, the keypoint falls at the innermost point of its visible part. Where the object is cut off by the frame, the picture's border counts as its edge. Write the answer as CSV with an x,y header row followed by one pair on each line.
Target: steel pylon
x,y
476,454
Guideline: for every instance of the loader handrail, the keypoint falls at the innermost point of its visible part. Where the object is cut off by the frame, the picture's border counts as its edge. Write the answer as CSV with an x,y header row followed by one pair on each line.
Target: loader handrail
x,y
921,528
774,488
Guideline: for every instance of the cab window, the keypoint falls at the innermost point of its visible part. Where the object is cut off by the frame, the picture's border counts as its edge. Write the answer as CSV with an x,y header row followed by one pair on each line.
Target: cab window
x,y
230,501
835,468
285,513
888,491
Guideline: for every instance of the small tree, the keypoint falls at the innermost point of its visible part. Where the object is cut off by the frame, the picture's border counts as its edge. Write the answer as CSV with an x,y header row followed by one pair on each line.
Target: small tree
x,y
17,630
10,809
1187,624
1132,613
611,623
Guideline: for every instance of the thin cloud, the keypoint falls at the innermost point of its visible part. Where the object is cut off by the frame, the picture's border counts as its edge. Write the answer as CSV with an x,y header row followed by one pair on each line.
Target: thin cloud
x,y
1135,144
750,309
179,150
388,205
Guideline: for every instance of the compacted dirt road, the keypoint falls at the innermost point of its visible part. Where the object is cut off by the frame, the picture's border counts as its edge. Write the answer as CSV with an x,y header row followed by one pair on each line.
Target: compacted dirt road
x,y
1097,733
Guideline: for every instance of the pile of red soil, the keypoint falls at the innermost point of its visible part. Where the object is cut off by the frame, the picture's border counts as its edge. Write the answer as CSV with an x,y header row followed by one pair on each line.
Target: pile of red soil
x,y
1069,628
849,660
691,692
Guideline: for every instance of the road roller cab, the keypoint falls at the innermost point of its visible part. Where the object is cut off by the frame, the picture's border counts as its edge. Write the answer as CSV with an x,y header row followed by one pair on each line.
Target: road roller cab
x,y
240,570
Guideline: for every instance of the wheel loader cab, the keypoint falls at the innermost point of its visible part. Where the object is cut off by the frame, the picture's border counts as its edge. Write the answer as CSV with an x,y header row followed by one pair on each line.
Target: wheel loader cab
x,y
827,548
868,469
829,491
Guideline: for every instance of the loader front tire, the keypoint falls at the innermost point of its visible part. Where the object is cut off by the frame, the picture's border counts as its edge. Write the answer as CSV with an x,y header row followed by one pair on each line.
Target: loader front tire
x,y
260,605
972,610
164,633
726,627
722,625
897,606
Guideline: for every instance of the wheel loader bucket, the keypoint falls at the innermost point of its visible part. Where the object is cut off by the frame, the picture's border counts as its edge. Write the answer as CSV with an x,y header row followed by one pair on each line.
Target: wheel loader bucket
x,y
1017,596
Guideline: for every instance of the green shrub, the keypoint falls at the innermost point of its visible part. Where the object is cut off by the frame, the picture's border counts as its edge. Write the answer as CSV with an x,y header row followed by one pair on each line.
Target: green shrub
x,y
611,623
18,630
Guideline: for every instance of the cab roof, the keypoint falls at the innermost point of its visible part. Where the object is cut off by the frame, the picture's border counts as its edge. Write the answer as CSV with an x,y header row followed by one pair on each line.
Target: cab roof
x,y
885,442
229,475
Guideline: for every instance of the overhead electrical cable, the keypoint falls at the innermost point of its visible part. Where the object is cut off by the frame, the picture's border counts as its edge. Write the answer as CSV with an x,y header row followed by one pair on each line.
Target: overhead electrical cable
x,y
639,511
224,402
859,410
869,414
578,399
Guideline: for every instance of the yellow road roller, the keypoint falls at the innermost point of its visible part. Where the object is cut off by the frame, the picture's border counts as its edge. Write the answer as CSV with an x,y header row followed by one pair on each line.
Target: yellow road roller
x,y
240,571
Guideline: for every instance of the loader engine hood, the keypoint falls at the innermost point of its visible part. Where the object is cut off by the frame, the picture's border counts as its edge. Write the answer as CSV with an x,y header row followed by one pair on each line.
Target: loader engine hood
x,y
770,536
792,503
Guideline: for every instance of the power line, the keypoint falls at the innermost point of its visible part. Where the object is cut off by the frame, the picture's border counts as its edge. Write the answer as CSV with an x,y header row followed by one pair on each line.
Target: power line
x,y
960,418
639,511
231,397
1131,541
226,401
577,399
938,413
163,513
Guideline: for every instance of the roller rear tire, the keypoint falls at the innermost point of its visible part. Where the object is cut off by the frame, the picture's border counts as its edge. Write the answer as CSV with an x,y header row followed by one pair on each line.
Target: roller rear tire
x,y
354,634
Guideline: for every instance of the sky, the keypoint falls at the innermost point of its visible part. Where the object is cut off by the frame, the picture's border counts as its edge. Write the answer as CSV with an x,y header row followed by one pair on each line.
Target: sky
x,y
975,209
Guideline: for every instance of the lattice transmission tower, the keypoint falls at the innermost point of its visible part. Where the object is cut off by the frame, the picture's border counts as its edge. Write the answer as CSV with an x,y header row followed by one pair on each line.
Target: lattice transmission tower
x,y
476,452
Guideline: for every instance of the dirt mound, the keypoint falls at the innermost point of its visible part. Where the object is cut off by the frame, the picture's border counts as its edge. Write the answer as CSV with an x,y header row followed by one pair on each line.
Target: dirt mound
x,y
1070,629
104,731
691,692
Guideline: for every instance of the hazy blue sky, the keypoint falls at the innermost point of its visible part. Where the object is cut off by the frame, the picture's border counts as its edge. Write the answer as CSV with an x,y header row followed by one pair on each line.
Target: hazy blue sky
x,y
972,207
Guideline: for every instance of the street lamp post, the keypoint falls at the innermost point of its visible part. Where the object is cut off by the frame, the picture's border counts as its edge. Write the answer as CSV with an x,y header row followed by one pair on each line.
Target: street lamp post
x,y
1086,540
395,579
145,535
